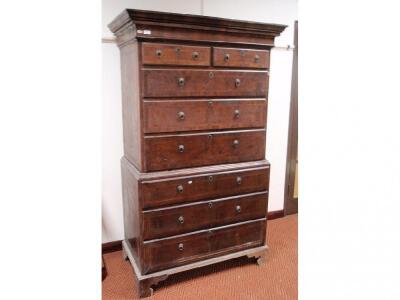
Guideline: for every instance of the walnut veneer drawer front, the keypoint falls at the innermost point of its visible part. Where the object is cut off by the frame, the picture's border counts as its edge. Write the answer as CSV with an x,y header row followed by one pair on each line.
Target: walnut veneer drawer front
x,y
160,193
201,83
175,251
166,54
184,115
243,58
192,150
205,214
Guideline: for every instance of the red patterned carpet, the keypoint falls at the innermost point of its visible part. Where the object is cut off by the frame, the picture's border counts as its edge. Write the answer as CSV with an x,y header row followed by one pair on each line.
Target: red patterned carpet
x,y
240,278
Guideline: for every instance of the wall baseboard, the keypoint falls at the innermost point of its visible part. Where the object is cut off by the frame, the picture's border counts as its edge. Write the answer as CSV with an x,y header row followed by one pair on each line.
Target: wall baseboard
x,y
111,247
117,245
276,214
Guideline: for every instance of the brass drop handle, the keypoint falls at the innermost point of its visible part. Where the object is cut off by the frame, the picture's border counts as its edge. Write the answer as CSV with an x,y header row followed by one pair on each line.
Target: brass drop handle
x,y
180,247
181,219
257,58
181,115
235,143
179,188
181,148
226,57
239,180
210,179
159,53
181,81
237,113
238,208
195,55
210,205
237,82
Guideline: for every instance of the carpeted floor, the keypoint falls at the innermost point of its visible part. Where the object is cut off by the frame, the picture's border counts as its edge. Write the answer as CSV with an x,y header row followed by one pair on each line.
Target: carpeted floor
x,y
240,278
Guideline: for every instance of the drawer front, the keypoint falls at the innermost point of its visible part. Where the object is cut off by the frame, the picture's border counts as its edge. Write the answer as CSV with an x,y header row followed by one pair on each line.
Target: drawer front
x,y
184,115
171,252
194,150
206,214
166,54
209,186
200,83
242,58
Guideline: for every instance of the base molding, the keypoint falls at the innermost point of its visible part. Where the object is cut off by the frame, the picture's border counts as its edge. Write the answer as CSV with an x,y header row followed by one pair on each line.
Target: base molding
x,y
145,282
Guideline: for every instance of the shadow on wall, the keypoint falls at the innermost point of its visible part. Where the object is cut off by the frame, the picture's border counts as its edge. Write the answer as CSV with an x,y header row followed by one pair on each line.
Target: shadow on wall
x,y
104,229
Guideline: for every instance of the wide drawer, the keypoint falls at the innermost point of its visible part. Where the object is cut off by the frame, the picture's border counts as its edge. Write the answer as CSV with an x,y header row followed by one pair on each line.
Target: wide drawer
x,y
201,83
205,214
201,149
167,54
158,193
179,250
184,115
243,58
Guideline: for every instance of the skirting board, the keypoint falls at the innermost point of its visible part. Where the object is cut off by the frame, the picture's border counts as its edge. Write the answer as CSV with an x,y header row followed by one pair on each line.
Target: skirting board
x,y
117,245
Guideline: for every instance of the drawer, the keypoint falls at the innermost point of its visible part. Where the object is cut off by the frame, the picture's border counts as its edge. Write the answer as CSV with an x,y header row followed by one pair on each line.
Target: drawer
x,y
242,58
166,54
206,214
201,83
169,152
158,193
170,252
185,115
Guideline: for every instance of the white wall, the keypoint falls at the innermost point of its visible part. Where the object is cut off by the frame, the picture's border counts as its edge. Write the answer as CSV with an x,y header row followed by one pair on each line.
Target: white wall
x,y
112,8
112,226
270,11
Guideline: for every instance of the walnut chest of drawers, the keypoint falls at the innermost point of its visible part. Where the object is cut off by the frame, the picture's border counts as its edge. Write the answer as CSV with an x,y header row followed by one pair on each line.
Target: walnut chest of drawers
x,y
195,178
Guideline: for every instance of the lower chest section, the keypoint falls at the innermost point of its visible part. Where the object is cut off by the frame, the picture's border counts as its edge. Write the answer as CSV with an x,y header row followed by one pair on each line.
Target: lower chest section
x,y
199,213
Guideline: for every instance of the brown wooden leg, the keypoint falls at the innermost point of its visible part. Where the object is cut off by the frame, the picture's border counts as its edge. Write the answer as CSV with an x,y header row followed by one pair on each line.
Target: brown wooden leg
x,y
103,269
124,254
259,256
144,286
261,259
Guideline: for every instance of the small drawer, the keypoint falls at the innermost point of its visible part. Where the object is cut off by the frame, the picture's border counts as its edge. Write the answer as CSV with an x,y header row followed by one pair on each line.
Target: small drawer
x,y
204,83
242,58
175,251
177,151
184,115
179,55
160,193
206,214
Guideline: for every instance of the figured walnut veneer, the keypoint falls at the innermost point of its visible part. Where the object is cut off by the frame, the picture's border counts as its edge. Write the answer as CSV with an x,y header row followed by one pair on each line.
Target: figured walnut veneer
x,y
194,175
